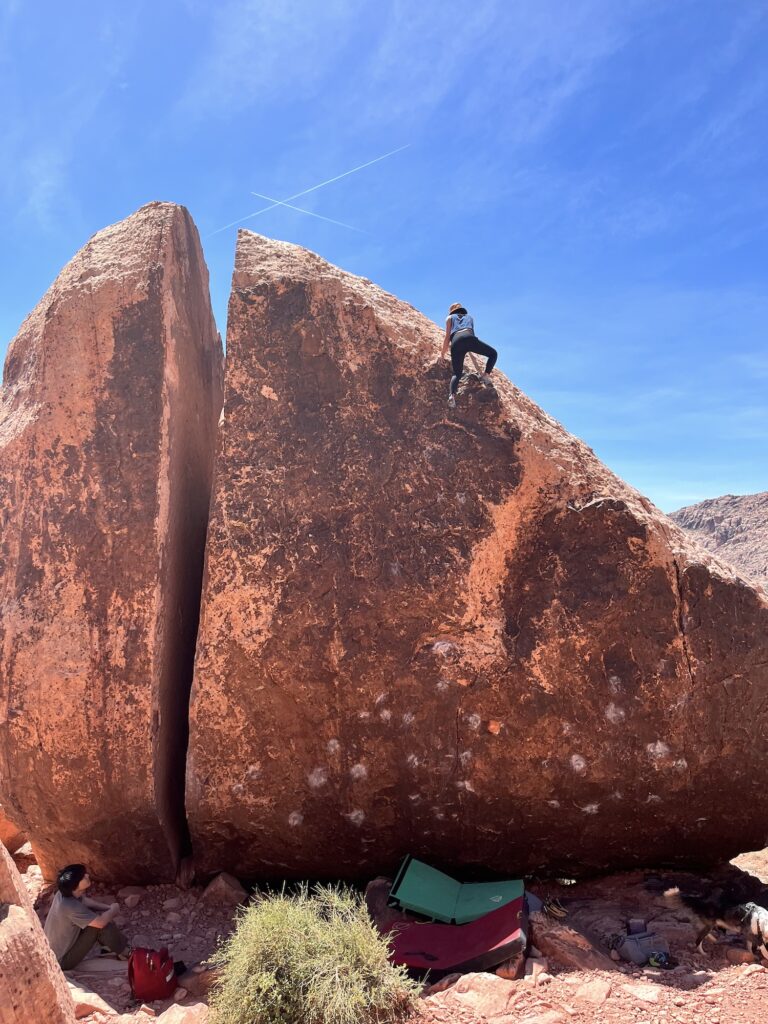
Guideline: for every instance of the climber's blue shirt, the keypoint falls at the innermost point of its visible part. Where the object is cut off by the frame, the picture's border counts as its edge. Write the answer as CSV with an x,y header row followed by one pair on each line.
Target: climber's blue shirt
x,y
461,322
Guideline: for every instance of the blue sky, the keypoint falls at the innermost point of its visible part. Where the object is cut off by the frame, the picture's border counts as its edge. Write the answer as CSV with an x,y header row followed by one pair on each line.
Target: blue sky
x,y
588,176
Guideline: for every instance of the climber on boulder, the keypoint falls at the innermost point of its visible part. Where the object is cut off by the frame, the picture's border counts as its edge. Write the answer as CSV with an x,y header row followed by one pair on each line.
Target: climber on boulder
x,y
460,337
75,922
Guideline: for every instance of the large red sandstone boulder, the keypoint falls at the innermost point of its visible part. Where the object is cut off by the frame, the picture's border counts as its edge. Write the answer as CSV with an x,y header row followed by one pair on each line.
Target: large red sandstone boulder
x,y
455,635
32,985
111,395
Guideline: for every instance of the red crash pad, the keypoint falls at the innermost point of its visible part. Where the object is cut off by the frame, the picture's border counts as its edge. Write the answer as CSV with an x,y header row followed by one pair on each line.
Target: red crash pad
x,y
476,946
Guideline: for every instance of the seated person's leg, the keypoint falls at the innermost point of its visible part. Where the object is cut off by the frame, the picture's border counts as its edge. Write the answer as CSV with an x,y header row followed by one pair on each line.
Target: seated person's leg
x,y
111,937
81,946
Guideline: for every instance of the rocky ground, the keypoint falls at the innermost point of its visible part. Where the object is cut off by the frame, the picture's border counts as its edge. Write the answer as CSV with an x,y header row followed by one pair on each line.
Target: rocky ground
x,y
708,988
702,989
189,922
715,994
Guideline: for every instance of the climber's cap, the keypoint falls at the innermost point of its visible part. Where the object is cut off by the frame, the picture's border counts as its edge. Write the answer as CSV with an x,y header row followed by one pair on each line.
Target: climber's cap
x,y
456,308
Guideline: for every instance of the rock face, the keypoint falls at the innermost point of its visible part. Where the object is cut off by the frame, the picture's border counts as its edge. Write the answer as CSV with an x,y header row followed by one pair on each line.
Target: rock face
x,y
10,835
110,400
454,635
735,527
32,985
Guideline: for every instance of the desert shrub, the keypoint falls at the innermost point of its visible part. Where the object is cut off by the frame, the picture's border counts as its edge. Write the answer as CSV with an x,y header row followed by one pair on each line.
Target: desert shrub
x,y
312,957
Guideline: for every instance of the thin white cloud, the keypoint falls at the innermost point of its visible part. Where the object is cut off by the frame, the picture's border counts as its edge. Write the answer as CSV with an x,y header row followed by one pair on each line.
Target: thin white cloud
x,y
755,364
728,129
39,142
519,63
262,50
8,12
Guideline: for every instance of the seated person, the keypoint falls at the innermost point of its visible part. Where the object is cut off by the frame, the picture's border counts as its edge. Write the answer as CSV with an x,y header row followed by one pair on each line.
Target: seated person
x,y
75,922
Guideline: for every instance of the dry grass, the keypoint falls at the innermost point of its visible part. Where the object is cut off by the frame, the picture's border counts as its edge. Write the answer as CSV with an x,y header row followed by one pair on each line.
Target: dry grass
x,y
314,957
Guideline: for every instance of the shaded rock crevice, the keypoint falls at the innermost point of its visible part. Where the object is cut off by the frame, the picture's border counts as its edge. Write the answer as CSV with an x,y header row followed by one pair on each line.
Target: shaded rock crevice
x,y
681,621
190,439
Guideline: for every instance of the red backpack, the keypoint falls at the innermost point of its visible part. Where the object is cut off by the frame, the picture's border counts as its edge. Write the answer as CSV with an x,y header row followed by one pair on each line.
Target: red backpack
x,y
151,974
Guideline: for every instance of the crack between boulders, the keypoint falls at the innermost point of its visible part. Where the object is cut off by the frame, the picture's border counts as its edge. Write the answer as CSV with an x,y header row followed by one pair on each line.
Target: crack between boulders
x,y
457,751
681,621
678,595
458,742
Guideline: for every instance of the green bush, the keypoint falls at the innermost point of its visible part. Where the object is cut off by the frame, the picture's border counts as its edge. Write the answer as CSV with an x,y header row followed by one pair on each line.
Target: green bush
x,y
308,958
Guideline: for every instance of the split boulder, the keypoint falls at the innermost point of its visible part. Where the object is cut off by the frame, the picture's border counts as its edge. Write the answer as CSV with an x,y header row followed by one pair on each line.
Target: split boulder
x,y
111,395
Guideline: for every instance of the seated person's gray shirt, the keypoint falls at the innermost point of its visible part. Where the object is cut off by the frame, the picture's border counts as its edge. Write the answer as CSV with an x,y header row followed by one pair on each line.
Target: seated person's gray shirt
x,y
66,919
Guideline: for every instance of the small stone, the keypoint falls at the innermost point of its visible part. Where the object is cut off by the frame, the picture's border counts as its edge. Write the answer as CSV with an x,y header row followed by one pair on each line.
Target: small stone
x,y
130,890
172,903
512,969
645,993
443,985
545,1017
199,981
149,1010
173,917
536,971
195,1013
87,1001
595,991
752,969
179,994
224,888
132,900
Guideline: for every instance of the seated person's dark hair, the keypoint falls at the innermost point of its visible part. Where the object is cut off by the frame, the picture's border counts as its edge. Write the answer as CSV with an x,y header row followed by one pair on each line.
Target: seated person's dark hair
x,y
69,878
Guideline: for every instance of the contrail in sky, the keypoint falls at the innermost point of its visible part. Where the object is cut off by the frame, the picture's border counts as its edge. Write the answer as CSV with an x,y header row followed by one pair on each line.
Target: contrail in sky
x,y
314,188
290,206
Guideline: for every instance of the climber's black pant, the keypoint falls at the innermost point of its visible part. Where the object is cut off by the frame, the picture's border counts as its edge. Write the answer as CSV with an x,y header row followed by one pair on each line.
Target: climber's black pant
x,y
469,343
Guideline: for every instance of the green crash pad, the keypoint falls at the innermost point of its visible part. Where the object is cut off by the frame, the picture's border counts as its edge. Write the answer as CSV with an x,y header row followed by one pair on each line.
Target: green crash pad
x,y
427,891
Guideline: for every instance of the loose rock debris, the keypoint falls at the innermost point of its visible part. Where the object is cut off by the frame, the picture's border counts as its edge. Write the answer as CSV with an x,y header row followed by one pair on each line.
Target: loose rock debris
x,y
702,988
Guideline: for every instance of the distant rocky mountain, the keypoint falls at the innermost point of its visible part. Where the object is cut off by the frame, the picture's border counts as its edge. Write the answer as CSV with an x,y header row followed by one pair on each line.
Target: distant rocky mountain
x,y
734,527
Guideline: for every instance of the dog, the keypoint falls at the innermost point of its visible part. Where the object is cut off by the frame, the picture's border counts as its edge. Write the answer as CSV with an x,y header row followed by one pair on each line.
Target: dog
x,y
717,910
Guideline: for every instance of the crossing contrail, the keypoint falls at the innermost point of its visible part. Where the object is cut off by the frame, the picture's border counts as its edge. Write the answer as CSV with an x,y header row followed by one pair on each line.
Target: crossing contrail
x,y
314,188
290,206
